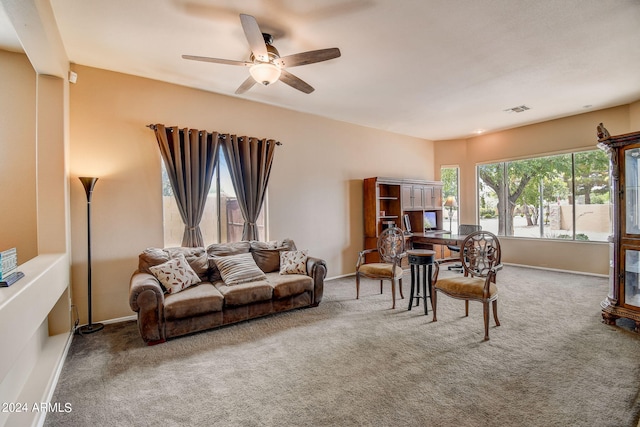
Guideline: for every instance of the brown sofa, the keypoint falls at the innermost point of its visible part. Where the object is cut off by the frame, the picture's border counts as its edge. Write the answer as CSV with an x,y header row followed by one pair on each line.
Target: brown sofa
x,y
212,302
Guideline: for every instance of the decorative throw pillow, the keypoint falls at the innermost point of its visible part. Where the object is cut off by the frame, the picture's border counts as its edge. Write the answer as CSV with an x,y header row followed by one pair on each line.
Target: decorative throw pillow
x,y
267,254
237,269
222,250
293,262
175,274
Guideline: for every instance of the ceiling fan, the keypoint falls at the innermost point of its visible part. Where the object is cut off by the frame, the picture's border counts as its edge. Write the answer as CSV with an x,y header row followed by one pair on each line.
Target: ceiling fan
x,y
265,64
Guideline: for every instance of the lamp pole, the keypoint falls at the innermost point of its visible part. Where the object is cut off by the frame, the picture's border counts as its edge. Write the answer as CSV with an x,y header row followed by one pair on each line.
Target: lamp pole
x,y
89,183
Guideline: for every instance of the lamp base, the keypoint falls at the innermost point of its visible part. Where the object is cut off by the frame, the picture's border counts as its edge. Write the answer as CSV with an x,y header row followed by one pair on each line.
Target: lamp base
x,y
89,329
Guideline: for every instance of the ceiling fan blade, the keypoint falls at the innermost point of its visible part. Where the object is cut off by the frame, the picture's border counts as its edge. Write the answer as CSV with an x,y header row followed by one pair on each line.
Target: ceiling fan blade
x,y
310,57
246,85
254,37
217,60
296,83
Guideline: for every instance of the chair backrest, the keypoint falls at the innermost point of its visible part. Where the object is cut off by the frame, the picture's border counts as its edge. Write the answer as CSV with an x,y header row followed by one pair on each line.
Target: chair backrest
x,y
481,253
391,244
464,229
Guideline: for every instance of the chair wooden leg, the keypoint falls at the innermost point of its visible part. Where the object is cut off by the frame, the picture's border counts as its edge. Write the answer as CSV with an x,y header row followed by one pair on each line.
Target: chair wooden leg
x,y
485,312
381,286
466,308
357,286
434,303
400,282
393,294
495,312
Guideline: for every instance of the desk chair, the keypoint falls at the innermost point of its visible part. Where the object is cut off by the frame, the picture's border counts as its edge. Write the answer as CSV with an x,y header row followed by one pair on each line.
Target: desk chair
x,y
391,249
463,230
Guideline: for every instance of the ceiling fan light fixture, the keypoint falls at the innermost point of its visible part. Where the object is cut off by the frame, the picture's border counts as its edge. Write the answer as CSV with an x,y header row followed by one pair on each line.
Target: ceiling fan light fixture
x,y
265,73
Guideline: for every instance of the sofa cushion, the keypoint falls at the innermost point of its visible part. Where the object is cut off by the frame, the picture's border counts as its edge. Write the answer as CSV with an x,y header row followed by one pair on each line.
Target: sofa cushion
x,y
175,275
196,257
293,262
245,293
267,254
236,269
224,249
290,284
198,299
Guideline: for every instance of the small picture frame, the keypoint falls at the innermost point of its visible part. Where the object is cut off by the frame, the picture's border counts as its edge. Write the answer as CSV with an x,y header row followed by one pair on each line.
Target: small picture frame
x,y
407,223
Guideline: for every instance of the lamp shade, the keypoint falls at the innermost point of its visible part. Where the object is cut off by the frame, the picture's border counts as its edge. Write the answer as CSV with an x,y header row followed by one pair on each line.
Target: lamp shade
x,y
265,73
451,202
88,184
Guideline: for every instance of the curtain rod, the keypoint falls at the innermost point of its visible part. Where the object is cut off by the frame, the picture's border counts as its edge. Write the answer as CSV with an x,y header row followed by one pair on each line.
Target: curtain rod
x,y
220,135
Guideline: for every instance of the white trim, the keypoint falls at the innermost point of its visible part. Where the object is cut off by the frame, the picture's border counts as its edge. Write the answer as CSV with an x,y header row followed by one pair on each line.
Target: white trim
x,y
120,319
55,378
559,270
339,277
116,320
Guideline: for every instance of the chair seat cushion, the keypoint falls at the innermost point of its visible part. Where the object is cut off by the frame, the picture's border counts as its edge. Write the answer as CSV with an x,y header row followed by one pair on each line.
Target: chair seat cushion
x,y
472,287
193,301
380,269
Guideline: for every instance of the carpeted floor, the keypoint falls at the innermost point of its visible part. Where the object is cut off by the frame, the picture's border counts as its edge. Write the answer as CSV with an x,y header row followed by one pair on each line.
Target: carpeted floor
x,y
355,362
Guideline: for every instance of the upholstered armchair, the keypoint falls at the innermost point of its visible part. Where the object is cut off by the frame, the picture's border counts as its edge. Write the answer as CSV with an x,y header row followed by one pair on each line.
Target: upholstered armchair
x,y
391,250
480,258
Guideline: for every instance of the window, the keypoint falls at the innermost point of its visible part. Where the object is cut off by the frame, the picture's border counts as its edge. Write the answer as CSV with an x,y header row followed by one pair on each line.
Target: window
x,y
221,220
563,196
450,180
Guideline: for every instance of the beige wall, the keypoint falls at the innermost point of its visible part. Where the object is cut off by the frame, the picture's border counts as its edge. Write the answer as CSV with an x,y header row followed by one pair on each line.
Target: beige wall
x,y
315,192
555,136
18,213
634,116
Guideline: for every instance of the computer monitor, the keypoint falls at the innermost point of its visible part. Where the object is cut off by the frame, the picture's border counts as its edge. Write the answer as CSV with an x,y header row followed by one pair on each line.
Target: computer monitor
x,y
430,222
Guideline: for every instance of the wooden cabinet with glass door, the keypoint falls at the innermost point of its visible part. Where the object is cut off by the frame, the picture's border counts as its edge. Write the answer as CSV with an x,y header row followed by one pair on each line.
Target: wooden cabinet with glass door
x,y
624,276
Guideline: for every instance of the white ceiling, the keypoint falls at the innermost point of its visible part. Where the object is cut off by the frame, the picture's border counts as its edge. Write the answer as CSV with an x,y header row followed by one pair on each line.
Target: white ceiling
x,y
435,69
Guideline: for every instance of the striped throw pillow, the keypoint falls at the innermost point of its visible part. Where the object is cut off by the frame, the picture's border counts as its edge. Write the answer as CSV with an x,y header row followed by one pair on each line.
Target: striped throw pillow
x,y
237,269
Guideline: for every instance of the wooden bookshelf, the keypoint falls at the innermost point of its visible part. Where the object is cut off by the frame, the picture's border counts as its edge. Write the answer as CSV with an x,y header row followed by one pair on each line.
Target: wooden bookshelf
x,y
387,200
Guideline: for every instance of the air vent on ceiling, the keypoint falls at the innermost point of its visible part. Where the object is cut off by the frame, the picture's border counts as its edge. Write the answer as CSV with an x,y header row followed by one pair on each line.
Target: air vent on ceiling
x,y
518,109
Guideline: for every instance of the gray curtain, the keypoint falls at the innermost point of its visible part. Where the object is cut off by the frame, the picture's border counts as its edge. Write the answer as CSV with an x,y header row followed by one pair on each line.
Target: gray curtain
x,y
249,162
190,157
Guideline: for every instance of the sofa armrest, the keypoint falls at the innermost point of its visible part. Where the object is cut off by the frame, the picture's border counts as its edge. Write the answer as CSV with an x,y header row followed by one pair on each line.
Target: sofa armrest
x,y
147,299
317,269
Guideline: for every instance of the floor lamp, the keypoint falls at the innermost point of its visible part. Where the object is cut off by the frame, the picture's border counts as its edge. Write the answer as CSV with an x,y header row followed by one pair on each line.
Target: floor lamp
x,y
450,204
88,184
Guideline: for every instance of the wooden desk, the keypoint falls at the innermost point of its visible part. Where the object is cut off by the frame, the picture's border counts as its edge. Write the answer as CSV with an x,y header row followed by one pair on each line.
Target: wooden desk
x,y
432,238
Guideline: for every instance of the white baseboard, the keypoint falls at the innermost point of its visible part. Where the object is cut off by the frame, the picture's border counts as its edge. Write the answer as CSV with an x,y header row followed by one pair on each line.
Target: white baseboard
x,y
339,277
120,319
116,320
583,273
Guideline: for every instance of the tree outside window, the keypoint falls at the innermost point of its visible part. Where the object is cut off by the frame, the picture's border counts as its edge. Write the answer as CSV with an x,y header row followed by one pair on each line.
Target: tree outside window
x,y
563,196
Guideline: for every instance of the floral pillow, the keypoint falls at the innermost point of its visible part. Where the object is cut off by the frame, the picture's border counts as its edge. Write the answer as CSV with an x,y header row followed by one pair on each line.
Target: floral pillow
x,y
293,262
175,275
